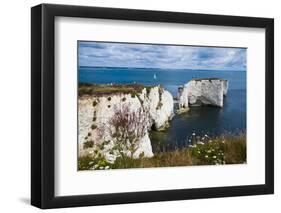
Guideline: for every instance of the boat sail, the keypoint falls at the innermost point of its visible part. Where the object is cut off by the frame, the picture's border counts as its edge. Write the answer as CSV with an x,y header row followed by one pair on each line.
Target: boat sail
x,y
154,76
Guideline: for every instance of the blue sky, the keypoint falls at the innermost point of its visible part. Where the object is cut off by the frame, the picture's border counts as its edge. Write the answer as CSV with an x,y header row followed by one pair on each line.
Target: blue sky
x,y
160,56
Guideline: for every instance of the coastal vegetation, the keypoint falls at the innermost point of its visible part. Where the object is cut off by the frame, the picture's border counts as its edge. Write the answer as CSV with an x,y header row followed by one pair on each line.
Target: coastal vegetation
x,y
224,149
108,89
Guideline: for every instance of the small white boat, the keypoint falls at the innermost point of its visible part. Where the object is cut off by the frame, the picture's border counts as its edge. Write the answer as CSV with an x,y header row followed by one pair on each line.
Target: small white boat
x,y
154,76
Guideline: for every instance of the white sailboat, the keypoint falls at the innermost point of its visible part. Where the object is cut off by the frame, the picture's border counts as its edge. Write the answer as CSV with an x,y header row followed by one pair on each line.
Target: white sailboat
x,y
154,76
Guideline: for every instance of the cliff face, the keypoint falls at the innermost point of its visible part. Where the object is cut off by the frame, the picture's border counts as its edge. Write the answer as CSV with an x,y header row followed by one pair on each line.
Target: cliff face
x,y
96,113
161,106
225,87
183,97
197,92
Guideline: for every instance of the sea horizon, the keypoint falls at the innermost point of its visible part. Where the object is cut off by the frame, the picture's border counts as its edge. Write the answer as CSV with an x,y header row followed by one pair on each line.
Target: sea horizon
x,y
160,68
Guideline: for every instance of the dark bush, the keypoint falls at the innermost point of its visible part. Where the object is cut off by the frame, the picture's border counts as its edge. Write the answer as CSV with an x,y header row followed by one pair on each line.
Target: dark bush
x,y
93,126
88,144
95,103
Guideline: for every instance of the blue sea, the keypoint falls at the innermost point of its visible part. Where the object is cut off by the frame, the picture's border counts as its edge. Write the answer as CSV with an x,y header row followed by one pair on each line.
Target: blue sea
x,y
199,120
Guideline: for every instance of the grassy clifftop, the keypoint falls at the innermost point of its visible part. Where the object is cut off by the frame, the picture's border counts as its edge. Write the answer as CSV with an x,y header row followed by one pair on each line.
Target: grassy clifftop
x,y
108,89
207,79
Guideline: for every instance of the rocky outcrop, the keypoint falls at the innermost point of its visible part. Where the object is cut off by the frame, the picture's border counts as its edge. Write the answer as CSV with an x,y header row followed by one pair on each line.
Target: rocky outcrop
x,y
183,97
96,110
161,106
203,91
225,86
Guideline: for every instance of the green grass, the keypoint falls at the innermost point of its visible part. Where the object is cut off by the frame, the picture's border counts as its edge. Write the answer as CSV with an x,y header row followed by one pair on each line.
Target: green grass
x,y
108,89
226,149
209,79
85,163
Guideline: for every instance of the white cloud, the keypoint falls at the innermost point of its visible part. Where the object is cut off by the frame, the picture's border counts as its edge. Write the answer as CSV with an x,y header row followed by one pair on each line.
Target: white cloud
x,y
161,56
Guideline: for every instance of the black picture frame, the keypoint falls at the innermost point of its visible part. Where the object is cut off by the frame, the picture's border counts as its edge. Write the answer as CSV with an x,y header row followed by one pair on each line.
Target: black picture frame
x,y
43,102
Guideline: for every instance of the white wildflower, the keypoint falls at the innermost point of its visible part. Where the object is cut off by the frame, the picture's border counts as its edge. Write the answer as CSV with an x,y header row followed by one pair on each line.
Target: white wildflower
x,y
206,156
107,167
193,133
214,157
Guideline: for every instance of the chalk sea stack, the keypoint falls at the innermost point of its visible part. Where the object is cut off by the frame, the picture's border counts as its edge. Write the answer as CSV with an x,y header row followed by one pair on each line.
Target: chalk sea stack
x,y
203,91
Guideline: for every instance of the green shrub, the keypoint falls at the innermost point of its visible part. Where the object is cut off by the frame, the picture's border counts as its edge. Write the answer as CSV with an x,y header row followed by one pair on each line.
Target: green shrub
x,y
124,99
95,103
85,91
85,162
133,94
88,163
93,126
109,98
209,153
88,144
148,89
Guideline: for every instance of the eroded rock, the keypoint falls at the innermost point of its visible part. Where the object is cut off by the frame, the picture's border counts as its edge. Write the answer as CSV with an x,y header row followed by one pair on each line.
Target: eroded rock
x,y
203,91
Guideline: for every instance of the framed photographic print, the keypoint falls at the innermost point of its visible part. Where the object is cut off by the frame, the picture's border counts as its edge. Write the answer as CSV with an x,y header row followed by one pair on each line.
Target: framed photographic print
x,y
139,106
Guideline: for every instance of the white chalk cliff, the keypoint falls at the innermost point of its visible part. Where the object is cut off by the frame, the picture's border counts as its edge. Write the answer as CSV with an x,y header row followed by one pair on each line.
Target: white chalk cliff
x,y
203,91
95,111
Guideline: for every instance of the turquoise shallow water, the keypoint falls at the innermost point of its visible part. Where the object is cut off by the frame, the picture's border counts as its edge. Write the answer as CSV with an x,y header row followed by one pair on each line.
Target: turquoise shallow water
x,y
199,120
